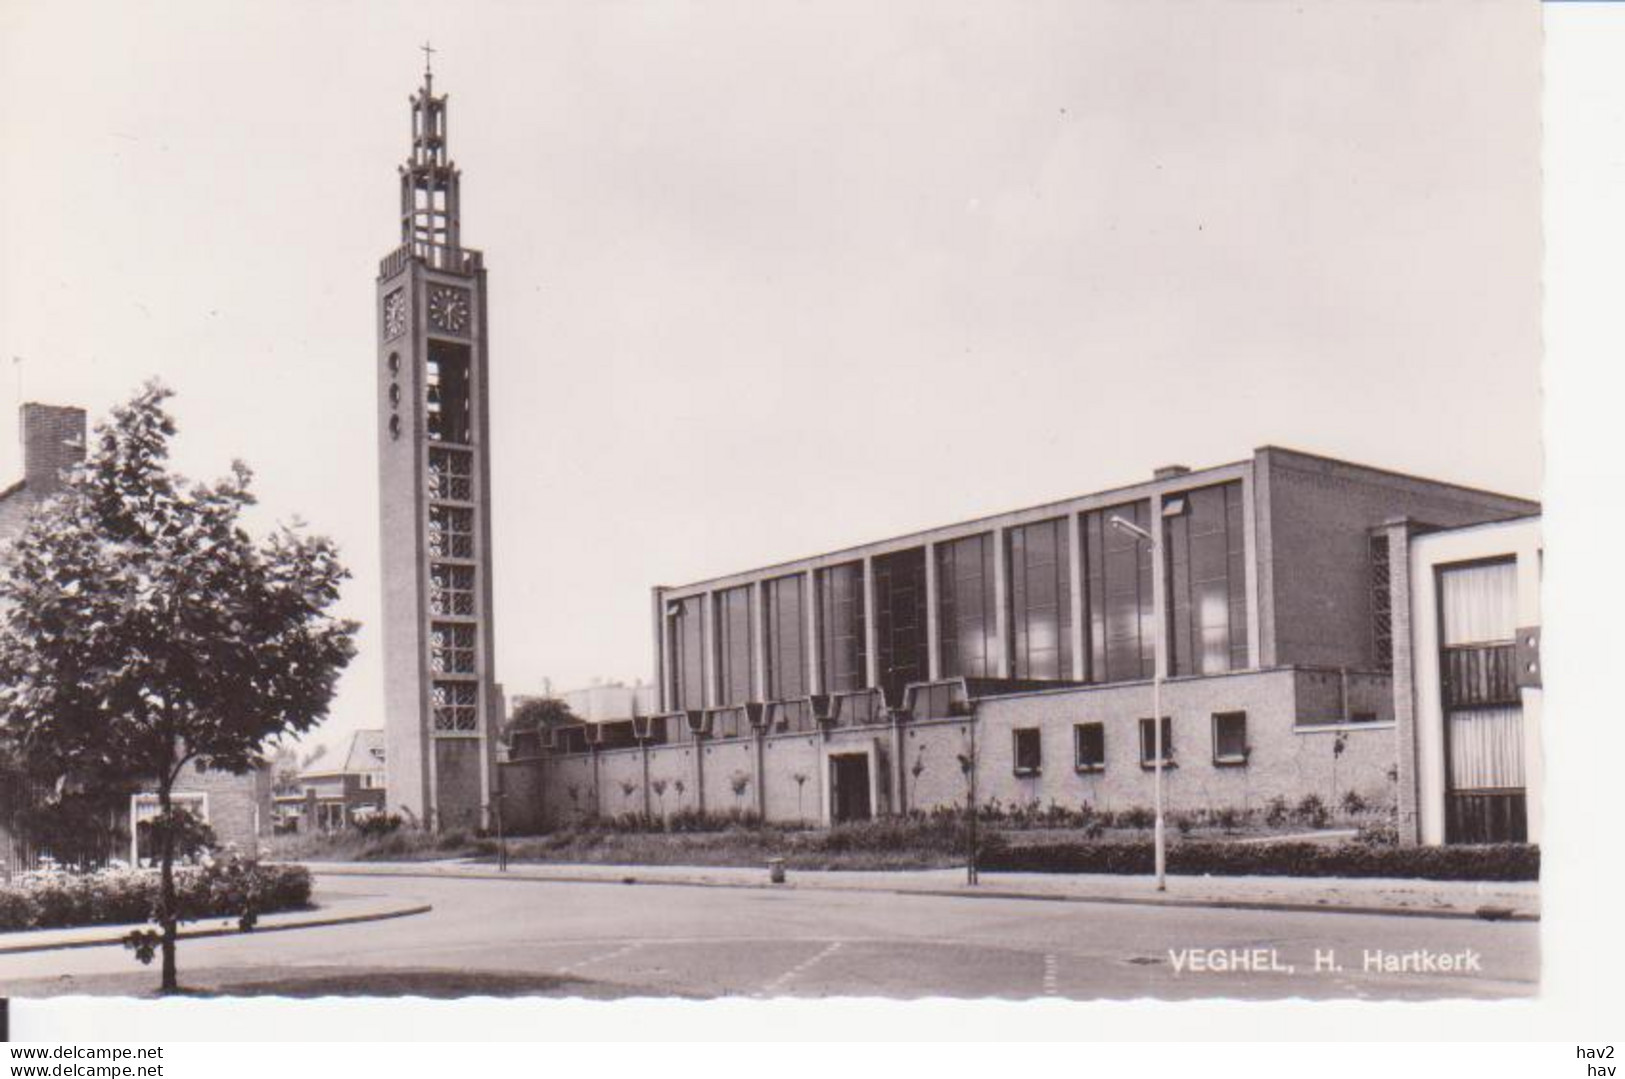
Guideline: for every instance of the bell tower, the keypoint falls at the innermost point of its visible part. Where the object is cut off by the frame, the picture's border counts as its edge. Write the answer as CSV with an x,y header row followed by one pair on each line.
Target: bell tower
x,y
441,711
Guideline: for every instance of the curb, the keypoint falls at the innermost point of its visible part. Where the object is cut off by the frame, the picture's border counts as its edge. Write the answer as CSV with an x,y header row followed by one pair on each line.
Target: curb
x,y
225,931
1286,906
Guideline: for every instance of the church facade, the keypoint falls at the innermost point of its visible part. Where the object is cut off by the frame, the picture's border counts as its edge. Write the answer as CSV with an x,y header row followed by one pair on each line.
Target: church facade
x,y
441,701
1010,660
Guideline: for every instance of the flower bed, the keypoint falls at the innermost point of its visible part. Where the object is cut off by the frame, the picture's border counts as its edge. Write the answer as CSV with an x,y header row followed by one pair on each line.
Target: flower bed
x,y
221,889
1500,861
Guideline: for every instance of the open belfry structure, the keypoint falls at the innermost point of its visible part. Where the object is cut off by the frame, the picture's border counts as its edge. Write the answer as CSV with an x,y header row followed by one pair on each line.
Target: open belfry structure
x,y
441,702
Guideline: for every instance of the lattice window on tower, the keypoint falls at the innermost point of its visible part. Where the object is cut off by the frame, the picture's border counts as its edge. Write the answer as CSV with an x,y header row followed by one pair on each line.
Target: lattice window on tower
x,y
451,475
1382,611
455,707
451,590
451,648
451,532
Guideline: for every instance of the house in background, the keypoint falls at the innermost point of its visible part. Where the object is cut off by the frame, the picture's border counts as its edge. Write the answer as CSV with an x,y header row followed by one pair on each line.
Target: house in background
x,y
330,799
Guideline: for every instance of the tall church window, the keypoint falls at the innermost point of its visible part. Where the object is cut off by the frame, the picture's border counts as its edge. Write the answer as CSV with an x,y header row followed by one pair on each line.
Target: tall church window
x,y
451,475
687,644
1122,620
843,648
967,609
785,622
900,632
736,667
455,707
451,532
448,405
451,648
1040,601
1207,578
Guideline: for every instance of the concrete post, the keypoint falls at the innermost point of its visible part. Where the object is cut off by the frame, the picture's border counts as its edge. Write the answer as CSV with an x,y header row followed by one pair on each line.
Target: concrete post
x,y
1404,681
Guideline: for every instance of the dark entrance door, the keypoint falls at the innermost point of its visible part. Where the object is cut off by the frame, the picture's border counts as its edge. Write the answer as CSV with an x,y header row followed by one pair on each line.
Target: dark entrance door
x,y
849,787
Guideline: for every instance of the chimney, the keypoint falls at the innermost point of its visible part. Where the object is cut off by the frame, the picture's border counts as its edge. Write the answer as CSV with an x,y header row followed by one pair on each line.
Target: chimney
x,y
1168,472
53,442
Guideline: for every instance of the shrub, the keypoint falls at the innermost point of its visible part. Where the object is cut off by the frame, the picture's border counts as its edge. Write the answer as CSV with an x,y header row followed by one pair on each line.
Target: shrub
x,y
229,887
1136,817
1312,811
1501,861
1353,804
1227,818
1379,833
1276,812
378,824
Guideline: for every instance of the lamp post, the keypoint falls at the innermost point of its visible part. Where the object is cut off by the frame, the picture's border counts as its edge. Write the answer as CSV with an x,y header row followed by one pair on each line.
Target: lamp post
x,y
1159,842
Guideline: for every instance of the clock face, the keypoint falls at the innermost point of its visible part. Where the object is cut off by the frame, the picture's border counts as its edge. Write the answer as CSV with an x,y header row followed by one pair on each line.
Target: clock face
x,y
394,314
448,308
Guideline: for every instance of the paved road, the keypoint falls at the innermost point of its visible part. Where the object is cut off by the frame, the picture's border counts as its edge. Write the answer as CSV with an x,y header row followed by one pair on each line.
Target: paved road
x,y
638,940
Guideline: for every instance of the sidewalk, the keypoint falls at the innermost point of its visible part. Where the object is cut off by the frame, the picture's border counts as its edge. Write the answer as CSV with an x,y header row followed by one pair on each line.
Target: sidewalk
x,y
342,910
1519,901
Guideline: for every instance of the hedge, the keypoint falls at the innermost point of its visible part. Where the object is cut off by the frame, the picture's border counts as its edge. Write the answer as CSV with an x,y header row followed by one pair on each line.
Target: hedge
x,y
227,888
1500,861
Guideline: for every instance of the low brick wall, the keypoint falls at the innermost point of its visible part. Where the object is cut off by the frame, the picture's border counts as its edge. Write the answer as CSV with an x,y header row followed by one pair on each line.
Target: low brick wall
x,y
1298,745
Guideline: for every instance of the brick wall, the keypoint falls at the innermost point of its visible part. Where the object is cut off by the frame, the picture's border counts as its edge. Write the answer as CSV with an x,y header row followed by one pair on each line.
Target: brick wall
x,y
1292,729
459,793
784,757
1285,760
239,806
724,761
932,774
617,767
520,784
1321,514
53,440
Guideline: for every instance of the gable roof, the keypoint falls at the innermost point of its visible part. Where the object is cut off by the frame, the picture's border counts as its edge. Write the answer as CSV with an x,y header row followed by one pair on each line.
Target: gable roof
x,y
366,751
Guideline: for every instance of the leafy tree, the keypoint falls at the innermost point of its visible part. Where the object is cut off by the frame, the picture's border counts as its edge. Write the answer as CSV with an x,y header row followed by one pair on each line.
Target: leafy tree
x,y
535,714
142,629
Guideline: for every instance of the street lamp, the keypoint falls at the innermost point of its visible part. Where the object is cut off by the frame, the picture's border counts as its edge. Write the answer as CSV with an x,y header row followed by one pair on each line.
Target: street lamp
x,y
1159,842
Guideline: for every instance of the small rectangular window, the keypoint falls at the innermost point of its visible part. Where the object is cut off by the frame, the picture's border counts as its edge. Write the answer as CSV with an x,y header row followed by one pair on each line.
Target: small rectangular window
x,y
1148,743
1089,739
1230,738
1029,751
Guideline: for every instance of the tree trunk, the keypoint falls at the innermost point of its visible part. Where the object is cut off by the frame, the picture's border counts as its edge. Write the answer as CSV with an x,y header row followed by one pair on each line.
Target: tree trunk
x,y
166,890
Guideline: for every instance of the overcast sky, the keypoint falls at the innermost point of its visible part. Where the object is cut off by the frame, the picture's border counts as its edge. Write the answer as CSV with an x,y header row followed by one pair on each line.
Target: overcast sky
x,y
771,278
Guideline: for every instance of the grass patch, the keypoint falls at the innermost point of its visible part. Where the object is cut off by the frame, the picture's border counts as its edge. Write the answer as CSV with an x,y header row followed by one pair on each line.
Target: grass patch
x,y
930,843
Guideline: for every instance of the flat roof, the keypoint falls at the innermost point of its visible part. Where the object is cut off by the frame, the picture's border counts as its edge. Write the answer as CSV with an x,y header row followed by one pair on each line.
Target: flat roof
x,y
1075,504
